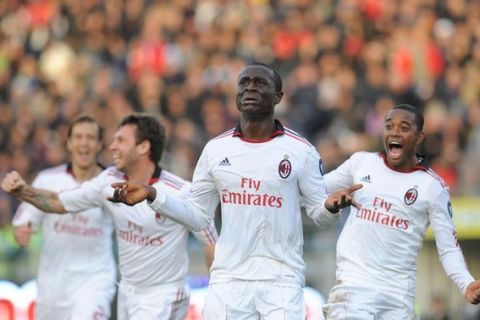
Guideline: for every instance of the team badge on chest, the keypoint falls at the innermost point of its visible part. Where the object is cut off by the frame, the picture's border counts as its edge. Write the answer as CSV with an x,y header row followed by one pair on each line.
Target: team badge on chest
x,y
410,196
284,167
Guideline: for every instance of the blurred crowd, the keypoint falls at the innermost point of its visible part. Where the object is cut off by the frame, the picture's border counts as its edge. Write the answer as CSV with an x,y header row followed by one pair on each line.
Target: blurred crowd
x,y
344,63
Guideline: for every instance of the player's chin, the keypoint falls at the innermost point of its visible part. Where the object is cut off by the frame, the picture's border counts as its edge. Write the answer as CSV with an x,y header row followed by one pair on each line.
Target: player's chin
x,y
118,164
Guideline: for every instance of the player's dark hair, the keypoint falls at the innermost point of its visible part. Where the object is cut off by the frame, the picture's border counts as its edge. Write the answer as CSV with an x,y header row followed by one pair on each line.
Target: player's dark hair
x,y
419,120
277,79
148,128
84,118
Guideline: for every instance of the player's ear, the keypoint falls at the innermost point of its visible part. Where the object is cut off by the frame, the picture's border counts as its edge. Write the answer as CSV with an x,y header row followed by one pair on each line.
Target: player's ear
x,y
68,146
420,137
99,147
144,147
278,97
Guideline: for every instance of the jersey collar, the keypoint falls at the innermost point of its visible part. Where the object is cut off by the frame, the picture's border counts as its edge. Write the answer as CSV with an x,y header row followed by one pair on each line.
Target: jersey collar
x,y
155,176
277,131
69,169
421,165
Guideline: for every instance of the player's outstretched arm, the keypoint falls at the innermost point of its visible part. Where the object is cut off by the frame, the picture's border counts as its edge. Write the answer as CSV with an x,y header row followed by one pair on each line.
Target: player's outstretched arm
x,y
472,294
45,200
132,192
342,198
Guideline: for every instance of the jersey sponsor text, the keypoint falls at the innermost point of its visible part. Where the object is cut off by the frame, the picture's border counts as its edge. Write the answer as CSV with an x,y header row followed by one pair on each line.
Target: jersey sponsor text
x,y
249,198
381,217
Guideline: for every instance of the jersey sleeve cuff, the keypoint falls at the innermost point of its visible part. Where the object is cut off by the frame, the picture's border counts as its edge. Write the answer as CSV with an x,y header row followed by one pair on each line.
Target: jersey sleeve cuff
x,y
331,215
468,279
326,218
158,202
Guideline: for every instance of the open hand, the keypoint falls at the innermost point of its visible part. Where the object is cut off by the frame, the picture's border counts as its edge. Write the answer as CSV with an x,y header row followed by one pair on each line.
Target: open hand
x,y
13,182
342,198
473,292
132,192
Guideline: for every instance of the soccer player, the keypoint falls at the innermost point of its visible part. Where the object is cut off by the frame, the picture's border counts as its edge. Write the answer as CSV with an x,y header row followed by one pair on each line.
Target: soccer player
x,y
76,275
379,244
258,172
152,249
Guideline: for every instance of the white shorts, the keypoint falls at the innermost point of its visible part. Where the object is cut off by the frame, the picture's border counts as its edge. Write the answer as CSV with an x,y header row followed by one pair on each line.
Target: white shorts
x,y
167,302
353,302
245,300
92,306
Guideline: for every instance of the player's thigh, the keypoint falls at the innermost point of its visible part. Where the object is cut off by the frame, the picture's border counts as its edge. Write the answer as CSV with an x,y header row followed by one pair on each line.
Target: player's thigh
x,y
344,311
146,311
397,314
96,307
280,301
166,303
48,312
350,303
231,300
122,300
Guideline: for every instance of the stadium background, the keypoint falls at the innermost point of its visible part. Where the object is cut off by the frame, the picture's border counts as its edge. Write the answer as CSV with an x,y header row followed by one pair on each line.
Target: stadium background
x,y
344,62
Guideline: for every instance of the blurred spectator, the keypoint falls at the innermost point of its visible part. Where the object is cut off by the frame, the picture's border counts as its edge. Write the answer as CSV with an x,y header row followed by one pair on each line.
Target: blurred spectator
x,y
438,309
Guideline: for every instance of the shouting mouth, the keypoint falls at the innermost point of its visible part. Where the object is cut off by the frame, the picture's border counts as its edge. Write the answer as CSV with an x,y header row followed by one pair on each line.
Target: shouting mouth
x,y
395,149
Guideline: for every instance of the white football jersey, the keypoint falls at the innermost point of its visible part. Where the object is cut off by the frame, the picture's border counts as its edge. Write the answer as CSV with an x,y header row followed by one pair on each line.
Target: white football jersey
x,y
259,186
152,249
77,248
379,243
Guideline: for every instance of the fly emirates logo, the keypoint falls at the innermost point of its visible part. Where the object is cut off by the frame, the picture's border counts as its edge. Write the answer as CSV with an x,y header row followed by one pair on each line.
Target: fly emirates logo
x,y
251,195
379,213
135,235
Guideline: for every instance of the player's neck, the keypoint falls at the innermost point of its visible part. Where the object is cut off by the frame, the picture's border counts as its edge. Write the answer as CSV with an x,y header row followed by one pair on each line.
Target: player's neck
x,y
142,170
84,174
257,129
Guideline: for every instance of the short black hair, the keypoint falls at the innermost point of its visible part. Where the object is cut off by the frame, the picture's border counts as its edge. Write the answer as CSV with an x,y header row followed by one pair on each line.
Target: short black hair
x,y
148,128
277,79
84,118
419,119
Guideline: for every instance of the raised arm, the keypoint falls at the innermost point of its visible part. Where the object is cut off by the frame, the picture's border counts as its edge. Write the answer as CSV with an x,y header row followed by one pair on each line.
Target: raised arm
x,y
449,251
45,200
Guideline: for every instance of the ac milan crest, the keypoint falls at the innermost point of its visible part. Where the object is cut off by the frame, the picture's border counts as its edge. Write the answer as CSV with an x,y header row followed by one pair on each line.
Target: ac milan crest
x,y
160,218
410,196
284,168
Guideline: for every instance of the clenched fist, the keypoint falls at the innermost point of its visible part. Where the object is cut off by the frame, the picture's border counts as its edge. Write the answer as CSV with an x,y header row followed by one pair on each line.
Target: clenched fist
x,y
13,183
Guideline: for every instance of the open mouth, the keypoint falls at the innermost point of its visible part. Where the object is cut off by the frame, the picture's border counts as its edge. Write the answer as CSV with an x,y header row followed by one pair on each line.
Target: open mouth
x,y
115,158
395,150
85,155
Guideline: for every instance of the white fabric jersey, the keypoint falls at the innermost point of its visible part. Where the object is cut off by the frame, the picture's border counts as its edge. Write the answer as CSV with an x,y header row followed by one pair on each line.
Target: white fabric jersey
x,y
152,249
379,243
77,248
259,186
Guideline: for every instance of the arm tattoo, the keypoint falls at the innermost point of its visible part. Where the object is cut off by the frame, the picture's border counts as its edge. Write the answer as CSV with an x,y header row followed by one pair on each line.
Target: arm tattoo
x,y
45,200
